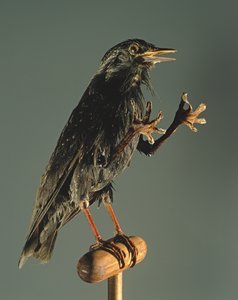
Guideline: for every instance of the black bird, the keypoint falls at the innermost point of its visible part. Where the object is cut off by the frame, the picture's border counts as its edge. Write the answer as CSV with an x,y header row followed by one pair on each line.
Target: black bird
x,y
97,144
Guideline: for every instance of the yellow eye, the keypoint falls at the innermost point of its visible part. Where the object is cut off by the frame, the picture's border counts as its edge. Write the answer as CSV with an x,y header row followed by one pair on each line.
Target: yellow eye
x,y
134,48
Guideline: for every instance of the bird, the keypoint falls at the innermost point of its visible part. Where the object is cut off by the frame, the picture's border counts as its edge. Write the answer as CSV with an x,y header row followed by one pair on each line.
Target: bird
x,y
97,144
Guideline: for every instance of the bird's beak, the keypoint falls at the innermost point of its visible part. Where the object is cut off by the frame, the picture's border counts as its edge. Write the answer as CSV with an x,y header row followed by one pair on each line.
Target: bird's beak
x,y
152,55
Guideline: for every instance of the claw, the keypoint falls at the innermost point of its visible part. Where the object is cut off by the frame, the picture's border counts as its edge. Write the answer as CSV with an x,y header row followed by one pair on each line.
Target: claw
x,y
187,116
148,112
147,127
110,247
124,239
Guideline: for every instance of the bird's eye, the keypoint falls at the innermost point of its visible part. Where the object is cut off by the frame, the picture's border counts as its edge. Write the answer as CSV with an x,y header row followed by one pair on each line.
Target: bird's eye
x,y
134,48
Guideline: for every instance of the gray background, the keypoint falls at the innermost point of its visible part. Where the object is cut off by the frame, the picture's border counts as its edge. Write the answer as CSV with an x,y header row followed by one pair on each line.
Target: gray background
x,y
182,201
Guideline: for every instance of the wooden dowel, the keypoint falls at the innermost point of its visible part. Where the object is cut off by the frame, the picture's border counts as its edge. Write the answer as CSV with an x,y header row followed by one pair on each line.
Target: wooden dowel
x,y
98,265
114,287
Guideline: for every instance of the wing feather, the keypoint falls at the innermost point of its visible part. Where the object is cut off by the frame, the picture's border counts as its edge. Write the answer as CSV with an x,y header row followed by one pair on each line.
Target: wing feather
x,y
72,145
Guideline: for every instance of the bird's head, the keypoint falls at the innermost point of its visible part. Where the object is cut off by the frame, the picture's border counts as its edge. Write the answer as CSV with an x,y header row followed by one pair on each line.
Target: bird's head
x,y
132,59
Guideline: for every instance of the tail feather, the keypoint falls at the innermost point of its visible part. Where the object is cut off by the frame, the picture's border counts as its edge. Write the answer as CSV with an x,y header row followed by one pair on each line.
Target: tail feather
x,y
41,251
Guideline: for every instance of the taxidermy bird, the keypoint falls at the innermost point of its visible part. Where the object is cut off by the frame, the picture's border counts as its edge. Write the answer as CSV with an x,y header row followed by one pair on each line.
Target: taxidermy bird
x,y
97,144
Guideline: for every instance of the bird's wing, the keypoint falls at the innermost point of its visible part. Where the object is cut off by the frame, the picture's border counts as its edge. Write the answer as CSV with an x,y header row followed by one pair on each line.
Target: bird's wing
x,y
72,145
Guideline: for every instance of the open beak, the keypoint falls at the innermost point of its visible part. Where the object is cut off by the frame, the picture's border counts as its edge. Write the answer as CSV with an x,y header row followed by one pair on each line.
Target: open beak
x,y
152,55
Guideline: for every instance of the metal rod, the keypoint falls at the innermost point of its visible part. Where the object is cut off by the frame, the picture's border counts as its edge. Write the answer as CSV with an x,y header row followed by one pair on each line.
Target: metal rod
x,y
114,285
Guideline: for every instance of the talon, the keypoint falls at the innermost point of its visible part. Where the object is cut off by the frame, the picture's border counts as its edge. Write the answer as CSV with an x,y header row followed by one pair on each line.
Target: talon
x,y
110,247
148,112
96,246
133,251
188,116
146,127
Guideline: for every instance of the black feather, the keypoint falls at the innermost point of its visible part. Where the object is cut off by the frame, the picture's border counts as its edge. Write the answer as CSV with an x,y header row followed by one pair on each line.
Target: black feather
x,y
80,165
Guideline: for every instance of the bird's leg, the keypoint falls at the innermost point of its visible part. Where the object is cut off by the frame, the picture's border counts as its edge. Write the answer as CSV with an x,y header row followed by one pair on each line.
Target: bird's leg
x,y
120,236
84,204
108,246
144,127
184,115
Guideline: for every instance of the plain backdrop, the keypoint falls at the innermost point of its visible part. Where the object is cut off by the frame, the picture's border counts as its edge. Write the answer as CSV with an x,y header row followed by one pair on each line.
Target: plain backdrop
x,y
182,201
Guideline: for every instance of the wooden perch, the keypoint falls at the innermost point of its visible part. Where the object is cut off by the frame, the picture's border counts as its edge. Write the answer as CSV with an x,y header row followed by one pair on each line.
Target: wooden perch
x,y
98,265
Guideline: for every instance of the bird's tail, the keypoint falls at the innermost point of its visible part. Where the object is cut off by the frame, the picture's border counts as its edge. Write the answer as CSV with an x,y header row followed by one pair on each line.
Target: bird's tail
x,y
40,250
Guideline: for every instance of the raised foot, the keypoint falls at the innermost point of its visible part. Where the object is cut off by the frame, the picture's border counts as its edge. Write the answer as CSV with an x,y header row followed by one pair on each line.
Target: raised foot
x,y
186,115
147,127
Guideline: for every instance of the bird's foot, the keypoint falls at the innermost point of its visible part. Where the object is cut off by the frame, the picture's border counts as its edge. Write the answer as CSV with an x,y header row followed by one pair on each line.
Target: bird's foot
x,y
146,127
110,247
125,240
140,126
186,115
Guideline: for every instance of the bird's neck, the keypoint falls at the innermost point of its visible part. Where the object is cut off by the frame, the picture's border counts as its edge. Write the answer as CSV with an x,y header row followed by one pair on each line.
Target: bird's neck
x,y
124,80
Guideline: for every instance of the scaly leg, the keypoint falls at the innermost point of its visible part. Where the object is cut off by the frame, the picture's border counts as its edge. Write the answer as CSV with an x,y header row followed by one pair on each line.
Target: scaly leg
x,y
120,236
84,204
184,116
108,246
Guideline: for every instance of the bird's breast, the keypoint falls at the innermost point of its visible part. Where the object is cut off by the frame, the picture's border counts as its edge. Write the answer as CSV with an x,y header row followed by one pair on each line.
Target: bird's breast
x,y
115,125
